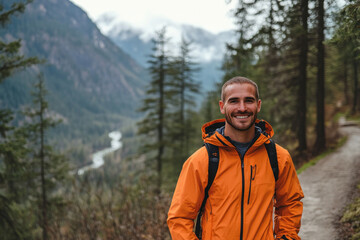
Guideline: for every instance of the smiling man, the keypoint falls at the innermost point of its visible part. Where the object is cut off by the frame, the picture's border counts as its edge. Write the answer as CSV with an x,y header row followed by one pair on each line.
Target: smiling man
x,y
240,104
252,176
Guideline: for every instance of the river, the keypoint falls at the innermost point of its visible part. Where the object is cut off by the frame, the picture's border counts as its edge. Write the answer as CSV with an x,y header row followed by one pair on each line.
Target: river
x,y
98,157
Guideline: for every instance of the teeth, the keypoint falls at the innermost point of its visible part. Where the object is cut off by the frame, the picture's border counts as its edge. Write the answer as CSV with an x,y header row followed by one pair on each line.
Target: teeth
x,y
241,117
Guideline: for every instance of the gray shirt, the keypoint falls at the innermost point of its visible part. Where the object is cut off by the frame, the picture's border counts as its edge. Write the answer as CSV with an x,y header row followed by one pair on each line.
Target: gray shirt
x,y
241,147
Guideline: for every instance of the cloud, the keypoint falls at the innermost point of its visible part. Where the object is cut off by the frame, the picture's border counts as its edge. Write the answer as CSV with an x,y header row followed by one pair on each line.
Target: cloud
x,y
212,15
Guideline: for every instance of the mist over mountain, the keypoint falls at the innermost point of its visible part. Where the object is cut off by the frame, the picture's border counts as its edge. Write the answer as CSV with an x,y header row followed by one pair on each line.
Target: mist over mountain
x,y
94,86
95,77
208,49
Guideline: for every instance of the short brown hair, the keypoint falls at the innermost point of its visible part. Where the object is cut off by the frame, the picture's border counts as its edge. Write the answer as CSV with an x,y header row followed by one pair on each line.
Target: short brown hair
x,y
239,80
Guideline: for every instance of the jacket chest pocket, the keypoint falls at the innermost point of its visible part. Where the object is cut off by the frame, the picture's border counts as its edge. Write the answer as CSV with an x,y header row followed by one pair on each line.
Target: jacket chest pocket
x,y
260,186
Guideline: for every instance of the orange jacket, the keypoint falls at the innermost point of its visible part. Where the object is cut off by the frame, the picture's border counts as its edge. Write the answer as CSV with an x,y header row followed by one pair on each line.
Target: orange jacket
x,y
237,207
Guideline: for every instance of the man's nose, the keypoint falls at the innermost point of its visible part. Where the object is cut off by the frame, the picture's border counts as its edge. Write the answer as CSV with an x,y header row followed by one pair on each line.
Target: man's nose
x,y
241,106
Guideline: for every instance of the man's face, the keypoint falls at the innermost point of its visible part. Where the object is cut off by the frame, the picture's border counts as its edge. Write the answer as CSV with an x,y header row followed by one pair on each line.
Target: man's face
x,y
240,106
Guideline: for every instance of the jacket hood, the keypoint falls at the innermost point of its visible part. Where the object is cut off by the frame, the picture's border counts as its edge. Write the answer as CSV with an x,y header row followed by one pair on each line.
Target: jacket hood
x,y
211,132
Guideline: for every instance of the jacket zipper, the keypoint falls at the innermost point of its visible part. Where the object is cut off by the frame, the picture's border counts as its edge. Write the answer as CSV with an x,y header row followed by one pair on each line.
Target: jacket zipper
x,y
242,198
242,195
251,176
243,187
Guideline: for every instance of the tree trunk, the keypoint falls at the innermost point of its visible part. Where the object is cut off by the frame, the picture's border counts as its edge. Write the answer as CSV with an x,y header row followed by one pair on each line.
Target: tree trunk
x,y
161,126
302,106
42,161
346,86
356,86
320,106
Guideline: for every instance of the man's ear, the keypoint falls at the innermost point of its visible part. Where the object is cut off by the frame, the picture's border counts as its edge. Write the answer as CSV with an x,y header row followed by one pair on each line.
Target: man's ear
x,y
259,105
221,105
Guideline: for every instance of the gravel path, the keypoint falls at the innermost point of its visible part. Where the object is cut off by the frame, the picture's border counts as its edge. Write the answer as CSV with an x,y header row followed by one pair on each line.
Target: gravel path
x,y
327,185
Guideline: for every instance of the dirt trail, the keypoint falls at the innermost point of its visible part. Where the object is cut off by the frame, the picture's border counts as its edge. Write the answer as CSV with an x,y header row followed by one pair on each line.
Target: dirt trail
x,y
327,186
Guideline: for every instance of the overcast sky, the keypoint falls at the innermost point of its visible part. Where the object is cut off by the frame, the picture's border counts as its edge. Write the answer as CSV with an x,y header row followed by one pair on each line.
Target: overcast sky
x,y
212,15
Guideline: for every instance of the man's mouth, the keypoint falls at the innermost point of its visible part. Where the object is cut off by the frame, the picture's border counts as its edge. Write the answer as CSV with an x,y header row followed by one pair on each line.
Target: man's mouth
x,y
242,117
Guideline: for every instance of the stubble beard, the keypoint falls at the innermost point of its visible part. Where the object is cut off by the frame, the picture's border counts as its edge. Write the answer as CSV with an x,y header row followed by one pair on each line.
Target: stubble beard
x,y
229,121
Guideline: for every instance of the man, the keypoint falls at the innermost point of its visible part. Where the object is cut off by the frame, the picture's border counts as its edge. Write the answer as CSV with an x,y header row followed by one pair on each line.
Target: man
x,y
244,192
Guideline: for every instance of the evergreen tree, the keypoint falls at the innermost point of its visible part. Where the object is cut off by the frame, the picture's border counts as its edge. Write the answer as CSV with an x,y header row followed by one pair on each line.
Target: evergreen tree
x,y
294,74
356,105
153,126
210,106
302,90
48,169
12,141
347,36
270,42
320,93
272,51
282,53
12,177
279,62
183,88
10,59
240,55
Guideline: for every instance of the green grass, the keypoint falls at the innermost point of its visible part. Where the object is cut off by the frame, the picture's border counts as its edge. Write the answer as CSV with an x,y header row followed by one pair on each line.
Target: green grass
x,y
313,161
352,217
354,118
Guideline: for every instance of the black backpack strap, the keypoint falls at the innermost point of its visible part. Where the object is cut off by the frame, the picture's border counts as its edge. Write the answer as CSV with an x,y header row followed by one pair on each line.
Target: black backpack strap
x,y
213,152
271,150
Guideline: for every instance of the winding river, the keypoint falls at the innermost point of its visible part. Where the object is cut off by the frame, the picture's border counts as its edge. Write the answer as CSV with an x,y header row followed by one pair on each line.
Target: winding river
x,y
98,157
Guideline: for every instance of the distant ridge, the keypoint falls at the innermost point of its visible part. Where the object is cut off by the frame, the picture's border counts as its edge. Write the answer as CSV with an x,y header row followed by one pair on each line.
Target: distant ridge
x,y
208,48
93,85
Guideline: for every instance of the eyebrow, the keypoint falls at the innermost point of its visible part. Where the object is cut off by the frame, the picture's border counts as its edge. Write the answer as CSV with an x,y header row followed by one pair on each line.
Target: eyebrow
x,y
233,98
246,98
250,98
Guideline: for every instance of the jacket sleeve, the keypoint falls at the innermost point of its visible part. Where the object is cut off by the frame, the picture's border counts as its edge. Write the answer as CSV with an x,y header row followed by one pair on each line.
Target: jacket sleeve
x,y
288,193
188,196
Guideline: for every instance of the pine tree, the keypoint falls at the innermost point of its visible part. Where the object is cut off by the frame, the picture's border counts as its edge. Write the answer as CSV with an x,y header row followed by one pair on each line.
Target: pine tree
x,y
287,60
153,126
347,36
240,55
210,106
278,57
10,59
182,87
12,176
302,90
48,169
320,143
268,53
12,141
283,52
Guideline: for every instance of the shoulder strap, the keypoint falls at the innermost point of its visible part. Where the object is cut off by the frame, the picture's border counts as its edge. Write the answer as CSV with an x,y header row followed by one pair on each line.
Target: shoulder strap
x,y
271,150
213,153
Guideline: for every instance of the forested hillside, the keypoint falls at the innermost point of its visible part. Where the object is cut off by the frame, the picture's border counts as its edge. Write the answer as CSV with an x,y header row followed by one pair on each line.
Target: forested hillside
x,y
95,87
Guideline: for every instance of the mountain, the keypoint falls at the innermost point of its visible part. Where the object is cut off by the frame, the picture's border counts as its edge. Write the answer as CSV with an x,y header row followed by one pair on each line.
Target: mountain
x,y
94,86
208,49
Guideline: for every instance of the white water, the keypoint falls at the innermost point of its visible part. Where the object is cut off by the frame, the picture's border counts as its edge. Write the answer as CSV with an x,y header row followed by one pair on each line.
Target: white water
x,y
98,157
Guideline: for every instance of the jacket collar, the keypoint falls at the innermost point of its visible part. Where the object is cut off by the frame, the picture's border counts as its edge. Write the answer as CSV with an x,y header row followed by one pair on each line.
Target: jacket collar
x,y
211,133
